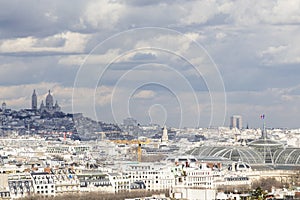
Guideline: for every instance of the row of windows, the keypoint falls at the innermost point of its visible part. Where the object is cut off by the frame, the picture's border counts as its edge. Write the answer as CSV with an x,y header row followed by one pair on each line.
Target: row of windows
x,y
42,187
45,192
200,179
97,184
44,182
67,188
19,183
140,167
119,177
237,179
198,173
143,172
4,194
43,177
197,184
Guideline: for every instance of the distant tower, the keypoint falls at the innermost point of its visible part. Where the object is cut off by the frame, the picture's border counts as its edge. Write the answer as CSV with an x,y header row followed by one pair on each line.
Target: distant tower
x,y
236,122
42,107
34,101
3,106
165,137
49,101
56,107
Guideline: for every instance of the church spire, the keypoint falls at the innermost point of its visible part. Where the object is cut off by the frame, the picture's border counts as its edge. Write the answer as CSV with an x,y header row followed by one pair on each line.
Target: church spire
x,y
34,101
165,136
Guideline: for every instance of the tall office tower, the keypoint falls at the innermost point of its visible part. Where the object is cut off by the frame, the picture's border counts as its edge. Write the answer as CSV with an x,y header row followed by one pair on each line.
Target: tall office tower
x,y
34,101
236,122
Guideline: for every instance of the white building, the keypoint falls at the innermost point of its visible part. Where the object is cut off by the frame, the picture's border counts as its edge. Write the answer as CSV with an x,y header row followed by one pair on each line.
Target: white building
x,y
119,181
20,185
154,176
66,181
43,183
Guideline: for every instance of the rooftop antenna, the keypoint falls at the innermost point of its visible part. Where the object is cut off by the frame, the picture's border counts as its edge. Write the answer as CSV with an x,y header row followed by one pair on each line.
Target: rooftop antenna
x,y
264,132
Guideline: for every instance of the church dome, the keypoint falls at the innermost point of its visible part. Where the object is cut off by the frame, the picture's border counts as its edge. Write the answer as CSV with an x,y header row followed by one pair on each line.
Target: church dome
x,y
49,100
265,143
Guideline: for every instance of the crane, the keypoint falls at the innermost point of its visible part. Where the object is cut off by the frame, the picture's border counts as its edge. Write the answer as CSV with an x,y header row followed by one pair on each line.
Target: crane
x,y
138,142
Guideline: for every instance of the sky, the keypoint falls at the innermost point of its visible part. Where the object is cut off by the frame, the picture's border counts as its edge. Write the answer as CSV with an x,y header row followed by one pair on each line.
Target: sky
x,y
183,63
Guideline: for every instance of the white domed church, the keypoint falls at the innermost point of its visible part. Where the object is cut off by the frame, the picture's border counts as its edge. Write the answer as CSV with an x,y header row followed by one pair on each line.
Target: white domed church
x,y
49,107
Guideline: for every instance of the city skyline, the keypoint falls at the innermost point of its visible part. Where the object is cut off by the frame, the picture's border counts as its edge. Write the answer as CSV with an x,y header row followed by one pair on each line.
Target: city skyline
x,y
50,107
252,52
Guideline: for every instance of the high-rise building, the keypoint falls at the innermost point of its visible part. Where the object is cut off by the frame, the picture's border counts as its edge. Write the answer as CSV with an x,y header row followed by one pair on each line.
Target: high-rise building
x,y
34,101
236,122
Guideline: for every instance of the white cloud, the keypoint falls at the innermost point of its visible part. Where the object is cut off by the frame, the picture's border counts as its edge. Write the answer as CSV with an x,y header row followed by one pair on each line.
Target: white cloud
x,y
262,12
103,14
281,54
285,11
198,12
145,94
273,50
103,95
72,42
85,59
220,35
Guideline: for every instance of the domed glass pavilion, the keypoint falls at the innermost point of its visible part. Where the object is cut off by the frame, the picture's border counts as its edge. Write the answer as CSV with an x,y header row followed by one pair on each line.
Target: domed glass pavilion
x,y
266,146
263,151
233,153
288,156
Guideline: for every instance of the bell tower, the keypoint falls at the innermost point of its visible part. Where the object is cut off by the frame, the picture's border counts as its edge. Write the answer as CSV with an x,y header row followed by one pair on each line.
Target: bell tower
x,y
34,101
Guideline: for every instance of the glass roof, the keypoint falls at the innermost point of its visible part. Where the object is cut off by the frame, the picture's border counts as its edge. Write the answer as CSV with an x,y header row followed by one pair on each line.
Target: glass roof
x,y
266,143
287,156
234,153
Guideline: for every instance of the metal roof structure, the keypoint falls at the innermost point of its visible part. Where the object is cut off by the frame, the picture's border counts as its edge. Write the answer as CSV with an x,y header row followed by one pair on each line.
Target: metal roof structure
x,y
234,153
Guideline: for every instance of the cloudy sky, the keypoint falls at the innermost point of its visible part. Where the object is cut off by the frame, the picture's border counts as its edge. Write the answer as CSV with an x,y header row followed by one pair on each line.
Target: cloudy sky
x,y
179,62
